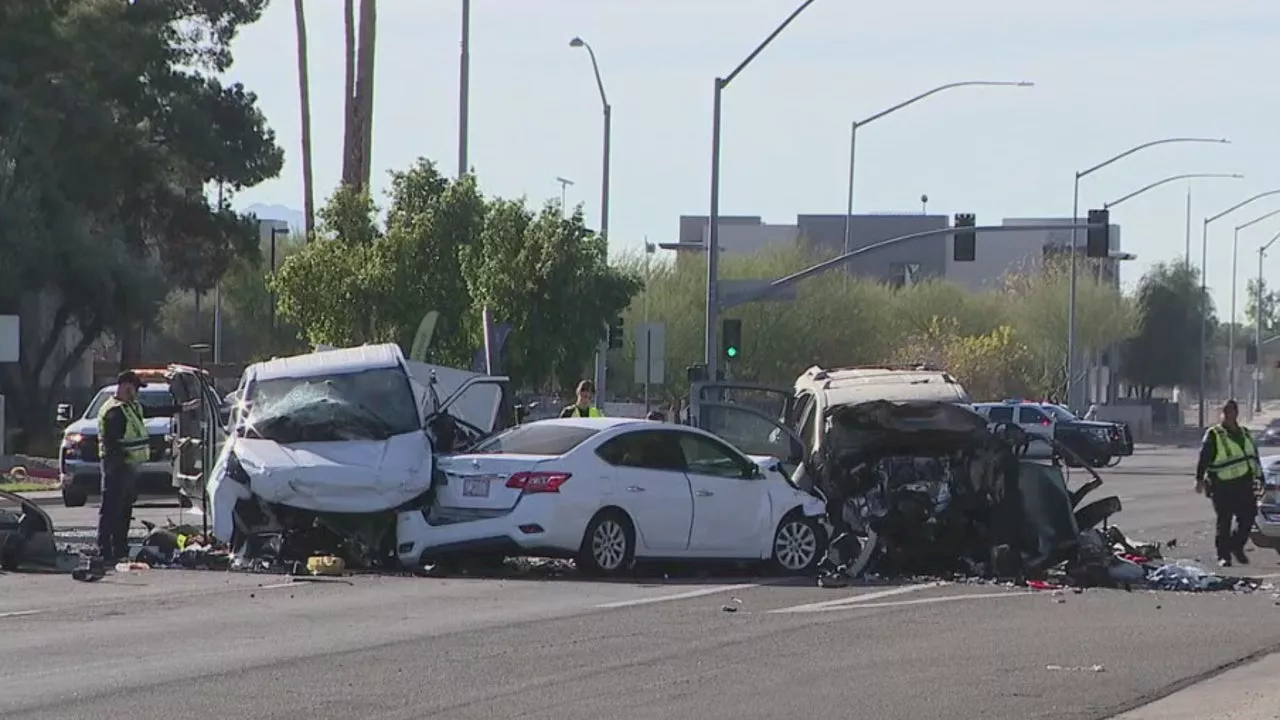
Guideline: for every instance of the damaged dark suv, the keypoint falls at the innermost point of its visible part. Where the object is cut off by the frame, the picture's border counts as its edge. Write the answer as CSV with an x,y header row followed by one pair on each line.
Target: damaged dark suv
x,y
914,485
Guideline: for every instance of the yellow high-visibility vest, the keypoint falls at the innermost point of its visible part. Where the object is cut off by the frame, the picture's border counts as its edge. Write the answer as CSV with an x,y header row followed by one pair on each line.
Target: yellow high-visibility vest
x,y
135,441
1231,460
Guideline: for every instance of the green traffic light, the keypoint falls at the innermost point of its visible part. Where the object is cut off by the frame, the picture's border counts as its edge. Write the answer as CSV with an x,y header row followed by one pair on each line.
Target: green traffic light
x,y
731,352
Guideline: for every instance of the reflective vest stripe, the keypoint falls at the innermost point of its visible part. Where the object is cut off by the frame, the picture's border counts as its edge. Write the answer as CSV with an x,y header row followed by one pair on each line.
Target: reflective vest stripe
x,y
1232,461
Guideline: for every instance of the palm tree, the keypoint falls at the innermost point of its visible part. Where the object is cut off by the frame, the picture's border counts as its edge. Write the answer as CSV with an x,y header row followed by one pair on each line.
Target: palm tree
x,y
349,175
358,137
304,100
364,86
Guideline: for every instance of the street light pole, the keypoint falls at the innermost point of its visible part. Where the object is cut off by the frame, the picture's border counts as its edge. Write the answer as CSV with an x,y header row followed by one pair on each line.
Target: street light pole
x,y
1204,291
713,232
564,195
464,87
601,368
853,133
1257,328
1231,326
1171,178
1072,397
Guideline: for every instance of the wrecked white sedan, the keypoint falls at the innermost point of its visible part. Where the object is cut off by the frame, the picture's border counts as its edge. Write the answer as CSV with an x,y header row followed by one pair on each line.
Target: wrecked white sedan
x,y
609,491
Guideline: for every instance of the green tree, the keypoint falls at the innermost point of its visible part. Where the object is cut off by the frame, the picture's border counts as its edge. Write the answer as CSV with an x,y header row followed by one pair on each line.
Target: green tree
x,y
1270,305
834,322
549,278
1165,350
102,173
359,283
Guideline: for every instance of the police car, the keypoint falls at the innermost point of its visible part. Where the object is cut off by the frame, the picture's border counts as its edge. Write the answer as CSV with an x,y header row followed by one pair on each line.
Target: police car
x,y
78,467
1037,420
1095,442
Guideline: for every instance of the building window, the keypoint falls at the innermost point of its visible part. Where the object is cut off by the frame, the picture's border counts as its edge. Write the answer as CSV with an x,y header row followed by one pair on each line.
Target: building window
x,y
904,274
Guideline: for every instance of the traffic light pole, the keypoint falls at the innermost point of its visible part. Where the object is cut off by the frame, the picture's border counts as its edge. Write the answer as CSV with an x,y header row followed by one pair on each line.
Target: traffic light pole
x,y
784,282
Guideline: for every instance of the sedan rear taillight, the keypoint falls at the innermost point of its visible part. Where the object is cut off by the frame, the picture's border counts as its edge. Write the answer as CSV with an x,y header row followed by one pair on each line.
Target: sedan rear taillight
x,y
537,482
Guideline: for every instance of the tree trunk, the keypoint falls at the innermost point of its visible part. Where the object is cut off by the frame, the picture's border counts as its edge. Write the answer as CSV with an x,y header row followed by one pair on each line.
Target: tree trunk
x,y
350,169
304,102
364,78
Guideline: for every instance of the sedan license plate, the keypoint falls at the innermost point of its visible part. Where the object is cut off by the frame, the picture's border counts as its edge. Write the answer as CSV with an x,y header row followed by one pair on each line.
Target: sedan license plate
x,y
475,487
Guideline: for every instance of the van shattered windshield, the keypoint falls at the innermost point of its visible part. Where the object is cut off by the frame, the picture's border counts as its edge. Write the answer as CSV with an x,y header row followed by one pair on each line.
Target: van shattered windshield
x,y
367,405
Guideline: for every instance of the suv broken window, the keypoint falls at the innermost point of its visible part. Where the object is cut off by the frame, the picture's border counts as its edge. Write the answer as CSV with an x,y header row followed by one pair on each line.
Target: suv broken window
x,y
367,405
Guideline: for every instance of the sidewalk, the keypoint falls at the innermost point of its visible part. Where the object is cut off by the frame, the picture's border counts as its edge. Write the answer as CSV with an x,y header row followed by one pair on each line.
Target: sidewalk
x,y
1249,692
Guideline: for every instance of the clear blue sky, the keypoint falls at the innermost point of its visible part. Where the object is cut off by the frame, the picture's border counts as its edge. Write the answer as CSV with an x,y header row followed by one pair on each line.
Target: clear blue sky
x,y
1108,75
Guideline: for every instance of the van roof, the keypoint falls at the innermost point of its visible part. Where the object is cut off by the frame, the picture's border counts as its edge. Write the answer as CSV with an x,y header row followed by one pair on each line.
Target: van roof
x,y
850,386
328,362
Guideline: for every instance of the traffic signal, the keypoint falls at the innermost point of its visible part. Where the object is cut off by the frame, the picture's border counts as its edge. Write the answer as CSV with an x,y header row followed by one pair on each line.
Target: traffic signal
x,y
1098,239
966,243
615,334
1251,354
731,338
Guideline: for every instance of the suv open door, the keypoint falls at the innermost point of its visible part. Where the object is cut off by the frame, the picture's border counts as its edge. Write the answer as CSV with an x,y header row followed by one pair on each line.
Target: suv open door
x,y
479,406
199,432
755,418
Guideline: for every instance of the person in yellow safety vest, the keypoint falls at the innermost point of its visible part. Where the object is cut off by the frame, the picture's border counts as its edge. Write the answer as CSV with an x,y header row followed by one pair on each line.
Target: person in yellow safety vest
x,y
583,407
123,445
1229,460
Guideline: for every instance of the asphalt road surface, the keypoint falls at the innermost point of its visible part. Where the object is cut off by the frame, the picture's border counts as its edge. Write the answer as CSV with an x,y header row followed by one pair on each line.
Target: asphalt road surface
x,y
167,643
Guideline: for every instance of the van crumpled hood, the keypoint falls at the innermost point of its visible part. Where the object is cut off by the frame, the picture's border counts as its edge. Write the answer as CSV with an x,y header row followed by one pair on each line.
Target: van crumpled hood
x,y
353,476
855,428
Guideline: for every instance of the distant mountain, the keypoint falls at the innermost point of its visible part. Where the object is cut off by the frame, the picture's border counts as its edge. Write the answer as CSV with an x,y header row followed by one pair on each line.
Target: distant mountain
x,y
295,218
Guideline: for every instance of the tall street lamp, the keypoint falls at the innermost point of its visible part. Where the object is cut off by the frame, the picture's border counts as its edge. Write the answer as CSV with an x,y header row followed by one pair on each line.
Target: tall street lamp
x,y
601,352
853,133
1257,328
464,87
564,194
1231,326
713,232
1204,268
1171,178
1072,393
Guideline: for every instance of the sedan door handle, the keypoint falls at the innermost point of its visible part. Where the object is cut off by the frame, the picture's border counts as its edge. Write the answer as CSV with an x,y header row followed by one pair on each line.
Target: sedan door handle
x,y
704,493
634,488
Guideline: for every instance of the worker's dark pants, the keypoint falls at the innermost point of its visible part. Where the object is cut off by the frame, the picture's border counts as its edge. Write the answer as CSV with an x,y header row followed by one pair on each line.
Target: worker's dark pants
x,y
1233,499
119,489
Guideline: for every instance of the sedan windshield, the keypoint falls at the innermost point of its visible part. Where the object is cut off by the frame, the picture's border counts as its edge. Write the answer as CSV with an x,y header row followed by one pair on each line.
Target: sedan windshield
x,y
366,405
536,439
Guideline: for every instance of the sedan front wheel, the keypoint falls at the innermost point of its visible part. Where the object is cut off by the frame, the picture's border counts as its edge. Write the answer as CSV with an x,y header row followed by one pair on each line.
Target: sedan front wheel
x,y
798,545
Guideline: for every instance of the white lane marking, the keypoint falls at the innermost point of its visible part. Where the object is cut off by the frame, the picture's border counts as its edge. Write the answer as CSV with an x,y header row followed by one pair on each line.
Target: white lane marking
x,y
918,601
679,596
856,599
20,613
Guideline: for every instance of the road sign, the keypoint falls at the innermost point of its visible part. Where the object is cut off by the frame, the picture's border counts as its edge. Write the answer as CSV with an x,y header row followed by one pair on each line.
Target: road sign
x,y
651,353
